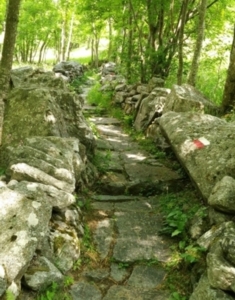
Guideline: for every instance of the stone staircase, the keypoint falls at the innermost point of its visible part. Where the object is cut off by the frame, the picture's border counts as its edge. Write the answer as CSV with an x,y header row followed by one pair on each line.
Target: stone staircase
x,y
130,256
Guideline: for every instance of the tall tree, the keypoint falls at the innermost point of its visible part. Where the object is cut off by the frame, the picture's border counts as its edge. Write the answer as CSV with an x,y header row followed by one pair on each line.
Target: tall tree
x,y
229,88
200,36
12,18
181,42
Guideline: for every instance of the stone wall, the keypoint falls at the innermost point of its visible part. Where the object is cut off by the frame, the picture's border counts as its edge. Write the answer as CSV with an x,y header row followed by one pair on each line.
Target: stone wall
x,y
46,148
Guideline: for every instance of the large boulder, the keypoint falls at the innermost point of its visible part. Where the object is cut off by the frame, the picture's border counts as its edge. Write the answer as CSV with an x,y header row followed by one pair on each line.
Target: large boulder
x,y
222,197
204,144
44,106
109,68
187,98
206,292
69,69
150,107
18,75
41,274
24,219
221,273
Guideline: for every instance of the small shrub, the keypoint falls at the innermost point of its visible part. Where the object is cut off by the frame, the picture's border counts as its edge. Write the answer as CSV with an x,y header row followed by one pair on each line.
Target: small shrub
x,y
50,293
97,97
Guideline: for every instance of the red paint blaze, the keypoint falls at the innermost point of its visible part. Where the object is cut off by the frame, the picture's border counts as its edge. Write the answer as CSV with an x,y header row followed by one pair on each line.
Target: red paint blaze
x,y
198,144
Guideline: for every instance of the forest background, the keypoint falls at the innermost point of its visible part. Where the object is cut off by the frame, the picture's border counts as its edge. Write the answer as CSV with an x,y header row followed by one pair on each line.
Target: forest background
x,y
178,40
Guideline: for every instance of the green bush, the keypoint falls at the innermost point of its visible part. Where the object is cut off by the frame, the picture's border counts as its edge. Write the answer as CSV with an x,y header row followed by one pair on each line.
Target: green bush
x,y
97,97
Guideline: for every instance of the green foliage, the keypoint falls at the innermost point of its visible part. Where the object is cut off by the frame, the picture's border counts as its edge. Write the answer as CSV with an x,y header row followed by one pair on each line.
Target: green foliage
x,y
56,292
10,295
191,253
177,296
122,265
99,98
87,238
68,281
102,160
77,83
2,171
77,265
50,293
150,146
84,203
175,223
177,213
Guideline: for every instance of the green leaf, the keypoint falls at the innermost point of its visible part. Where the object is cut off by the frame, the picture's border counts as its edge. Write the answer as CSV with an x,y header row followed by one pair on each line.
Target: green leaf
x,y
176,232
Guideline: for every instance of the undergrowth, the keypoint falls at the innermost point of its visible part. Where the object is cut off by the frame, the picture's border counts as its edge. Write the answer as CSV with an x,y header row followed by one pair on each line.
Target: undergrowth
x,y
178,210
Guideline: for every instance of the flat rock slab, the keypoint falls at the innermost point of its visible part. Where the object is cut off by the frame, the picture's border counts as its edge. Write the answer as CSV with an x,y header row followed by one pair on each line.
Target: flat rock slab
x,y
204,144
120,144
89,109
84,291
146,277
127,292
113,183
111,198
104,120
141,204
103,145
96,275
110,130
110,161
146,172
103,236
117,273
138,238
134,155
138,204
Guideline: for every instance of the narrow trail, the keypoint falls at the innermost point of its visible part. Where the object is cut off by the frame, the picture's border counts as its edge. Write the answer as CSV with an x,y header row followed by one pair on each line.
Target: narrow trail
x,y
126,255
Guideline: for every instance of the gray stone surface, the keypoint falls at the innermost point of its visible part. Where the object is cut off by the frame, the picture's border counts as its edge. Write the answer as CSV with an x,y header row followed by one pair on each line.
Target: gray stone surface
x,y
96,275
112,183
204,146
206,292
146,277
149,173
24,218
117,273
117,198
85,291
44,106
104,120
222,196
125,292
186,98
103,236
151,106
70,69
41,274
221,274
138,238
65,244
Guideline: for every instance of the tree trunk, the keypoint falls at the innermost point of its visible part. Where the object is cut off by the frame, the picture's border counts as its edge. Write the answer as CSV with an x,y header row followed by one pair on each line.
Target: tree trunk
x,y
110,48
62,41
130,45
41,50
229,88
181,42
196,56
8,53
67,54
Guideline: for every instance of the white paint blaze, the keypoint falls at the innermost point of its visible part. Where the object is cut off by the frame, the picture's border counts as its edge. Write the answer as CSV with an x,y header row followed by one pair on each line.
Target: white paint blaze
x,y
32,219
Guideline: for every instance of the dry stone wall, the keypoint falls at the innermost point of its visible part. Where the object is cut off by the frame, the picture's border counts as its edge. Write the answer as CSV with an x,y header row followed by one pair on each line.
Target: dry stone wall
x,y
46,148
